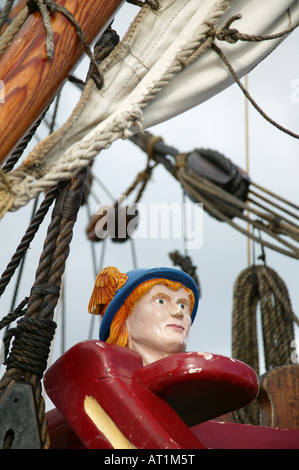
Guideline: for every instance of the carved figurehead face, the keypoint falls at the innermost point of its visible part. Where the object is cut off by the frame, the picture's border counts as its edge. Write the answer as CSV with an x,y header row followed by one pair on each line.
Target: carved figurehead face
x,y
159,323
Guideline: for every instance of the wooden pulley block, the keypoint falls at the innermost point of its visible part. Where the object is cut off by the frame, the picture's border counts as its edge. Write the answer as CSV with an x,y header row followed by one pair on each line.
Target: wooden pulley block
x,y
219,170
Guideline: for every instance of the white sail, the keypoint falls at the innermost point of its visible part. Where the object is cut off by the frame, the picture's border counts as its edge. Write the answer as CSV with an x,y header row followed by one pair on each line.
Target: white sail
x,y
163,66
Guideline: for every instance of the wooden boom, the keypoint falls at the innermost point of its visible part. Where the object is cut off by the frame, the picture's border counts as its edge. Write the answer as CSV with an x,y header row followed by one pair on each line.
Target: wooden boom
x,y
30,79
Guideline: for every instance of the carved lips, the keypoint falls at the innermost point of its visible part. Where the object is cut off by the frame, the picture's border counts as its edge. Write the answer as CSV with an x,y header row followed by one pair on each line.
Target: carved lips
x,y
176,327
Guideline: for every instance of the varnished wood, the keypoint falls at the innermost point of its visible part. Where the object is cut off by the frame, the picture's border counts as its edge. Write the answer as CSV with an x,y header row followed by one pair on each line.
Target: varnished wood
x,y
279,397
31,81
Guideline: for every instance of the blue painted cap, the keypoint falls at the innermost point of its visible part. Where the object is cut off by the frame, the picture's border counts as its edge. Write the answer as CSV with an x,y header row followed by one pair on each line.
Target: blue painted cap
x,y
137,277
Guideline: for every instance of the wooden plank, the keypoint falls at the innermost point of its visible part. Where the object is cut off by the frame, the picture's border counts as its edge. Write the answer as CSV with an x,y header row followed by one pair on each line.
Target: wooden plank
x,y
30,80
279,397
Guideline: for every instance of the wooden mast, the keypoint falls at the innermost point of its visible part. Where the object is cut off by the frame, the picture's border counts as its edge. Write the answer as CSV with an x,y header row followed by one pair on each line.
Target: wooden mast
x,y
30,79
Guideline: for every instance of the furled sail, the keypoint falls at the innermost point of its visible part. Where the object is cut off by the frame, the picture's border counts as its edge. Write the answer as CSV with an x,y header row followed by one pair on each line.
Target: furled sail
x,y
163,66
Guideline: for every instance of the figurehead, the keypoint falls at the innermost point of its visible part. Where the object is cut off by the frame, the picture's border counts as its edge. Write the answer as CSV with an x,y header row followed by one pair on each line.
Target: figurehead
x,y
116,294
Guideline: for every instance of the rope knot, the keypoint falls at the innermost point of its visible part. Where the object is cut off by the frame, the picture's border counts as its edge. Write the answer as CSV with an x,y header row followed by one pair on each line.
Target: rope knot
x,y
31,345
32,6
229,35
180,162
225,33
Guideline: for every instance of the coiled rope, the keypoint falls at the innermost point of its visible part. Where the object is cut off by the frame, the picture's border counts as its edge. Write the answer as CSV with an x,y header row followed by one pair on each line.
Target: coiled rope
x,y
260,287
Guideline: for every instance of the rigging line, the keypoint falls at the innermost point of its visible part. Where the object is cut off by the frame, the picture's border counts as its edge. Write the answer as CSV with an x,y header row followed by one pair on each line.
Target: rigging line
x,y
257,223
63,322
95,269
225,33
203,188
133,250
274,218
248,96
247,162
18,152
272,203
185,238
221,216
5,12
103,186
54,116
93,258
59,307
252,183
28,237
93,317
93,253
22,263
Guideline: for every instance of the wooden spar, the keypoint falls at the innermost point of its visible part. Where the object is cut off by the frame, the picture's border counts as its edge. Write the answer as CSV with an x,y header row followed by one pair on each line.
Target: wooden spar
x,y
30,80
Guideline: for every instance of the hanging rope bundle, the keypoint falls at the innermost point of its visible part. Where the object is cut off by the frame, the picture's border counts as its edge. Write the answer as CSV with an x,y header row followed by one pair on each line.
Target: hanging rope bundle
x,y
186,265
118,217
259,286
33,334
226,194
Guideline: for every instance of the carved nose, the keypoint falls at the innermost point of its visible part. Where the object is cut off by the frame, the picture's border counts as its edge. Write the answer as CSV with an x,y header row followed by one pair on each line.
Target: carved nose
x,y
177,313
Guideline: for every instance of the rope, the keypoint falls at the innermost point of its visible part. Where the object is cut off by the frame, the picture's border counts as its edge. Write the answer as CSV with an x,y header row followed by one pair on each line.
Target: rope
x,y
260,286
31,345
186,265
230,201
17,153
28,180
6,196
249,97
219,203
154,4
44,7
225,33
27,238
33,334
142,177
5,13
13,29
55,7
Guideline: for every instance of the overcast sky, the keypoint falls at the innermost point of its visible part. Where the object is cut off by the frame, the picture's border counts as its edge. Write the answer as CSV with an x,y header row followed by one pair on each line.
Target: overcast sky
x,y
218,124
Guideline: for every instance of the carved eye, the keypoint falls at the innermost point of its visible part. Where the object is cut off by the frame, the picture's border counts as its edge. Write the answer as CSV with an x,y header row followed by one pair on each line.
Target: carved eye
x,y
182,306
160,300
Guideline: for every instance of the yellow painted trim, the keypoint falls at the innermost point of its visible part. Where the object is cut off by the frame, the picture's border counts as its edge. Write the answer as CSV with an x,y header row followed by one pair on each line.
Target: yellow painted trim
x,y
105,424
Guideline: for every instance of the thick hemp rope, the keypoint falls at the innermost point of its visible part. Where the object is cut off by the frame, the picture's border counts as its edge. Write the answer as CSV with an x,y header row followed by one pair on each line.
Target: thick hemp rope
x,y
31,179
260,287
34,332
